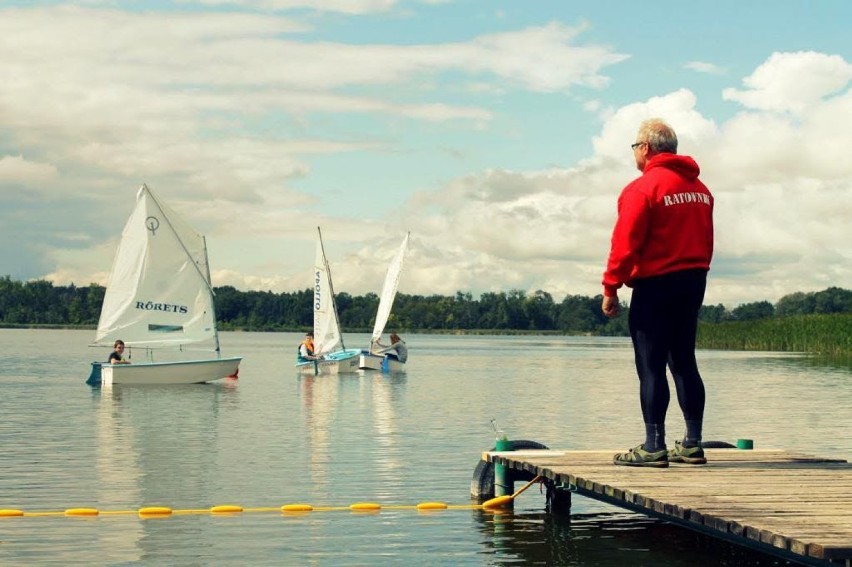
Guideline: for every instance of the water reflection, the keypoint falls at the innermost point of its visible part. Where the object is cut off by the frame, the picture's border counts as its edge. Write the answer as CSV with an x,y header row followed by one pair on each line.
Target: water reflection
x,y
610,539
842,364
157,446
118,472
368,402
387,391
319,403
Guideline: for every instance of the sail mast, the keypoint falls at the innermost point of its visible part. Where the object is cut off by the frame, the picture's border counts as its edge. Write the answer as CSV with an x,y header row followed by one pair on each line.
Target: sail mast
x,y
212,299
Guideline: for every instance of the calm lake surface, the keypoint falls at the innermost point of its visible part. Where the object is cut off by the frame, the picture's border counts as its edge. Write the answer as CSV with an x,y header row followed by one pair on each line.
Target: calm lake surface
x,y
273,438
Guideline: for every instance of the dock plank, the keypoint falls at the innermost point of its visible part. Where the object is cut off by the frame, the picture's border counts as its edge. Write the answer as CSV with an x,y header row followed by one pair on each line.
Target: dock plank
x,y
771,499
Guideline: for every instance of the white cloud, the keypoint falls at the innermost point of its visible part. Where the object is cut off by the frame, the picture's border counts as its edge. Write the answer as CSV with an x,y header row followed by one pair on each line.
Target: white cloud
x,y
760,147
123,91
16,169
792,82
593,106
342,6
704,67
517,57
515,230
676,108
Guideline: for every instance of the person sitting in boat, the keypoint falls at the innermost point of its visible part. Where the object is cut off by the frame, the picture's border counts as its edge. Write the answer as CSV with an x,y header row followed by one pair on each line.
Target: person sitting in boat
x,y
305,351
118,349
397,350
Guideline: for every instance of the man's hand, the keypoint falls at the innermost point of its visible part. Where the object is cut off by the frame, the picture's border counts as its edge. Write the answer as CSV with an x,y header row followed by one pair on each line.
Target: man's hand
x,y
610,306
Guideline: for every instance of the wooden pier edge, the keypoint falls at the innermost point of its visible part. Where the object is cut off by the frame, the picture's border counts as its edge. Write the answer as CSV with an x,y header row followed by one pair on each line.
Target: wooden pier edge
x,y
793,506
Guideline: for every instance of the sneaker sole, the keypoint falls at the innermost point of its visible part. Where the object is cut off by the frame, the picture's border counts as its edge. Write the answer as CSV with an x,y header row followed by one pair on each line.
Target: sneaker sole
x,y
689,460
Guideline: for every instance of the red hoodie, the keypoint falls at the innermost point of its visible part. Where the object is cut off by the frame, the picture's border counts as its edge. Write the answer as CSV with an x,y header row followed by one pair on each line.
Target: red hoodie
x,y
665,223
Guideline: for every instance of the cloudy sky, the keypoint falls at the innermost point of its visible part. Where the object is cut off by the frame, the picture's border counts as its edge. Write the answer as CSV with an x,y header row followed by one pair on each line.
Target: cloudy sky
x,y
497,132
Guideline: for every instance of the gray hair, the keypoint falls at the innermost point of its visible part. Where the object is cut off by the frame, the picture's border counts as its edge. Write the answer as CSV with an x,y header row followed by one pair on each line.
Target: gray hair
x,y
660,136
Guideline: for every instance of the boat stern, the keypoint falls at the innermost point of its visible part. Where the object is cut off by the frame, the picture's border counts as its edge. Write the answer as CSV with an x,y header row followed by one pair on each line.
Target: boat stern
x,y
95,376
368,361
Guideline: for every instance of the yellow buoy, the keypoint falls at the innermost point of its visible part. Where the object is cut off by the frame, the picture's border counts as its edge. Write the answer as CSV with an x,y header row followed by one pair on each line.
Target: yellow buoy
x,y
226,509
365,506
155,511
498,502
503,501
82,512
296,508
431,506
8,512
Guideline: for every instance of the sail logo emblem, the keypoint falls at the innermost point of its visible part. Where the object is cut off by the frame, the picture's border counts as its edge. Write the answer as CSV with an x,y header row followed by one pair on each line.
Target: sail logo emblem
x,y
167,307
317,292
152,224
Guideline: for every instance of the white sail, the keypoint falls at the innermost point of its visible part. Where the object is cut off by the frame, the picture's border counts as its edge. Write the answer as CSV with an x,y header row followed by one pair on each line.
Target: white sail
x,y
389,289
159,291
326,327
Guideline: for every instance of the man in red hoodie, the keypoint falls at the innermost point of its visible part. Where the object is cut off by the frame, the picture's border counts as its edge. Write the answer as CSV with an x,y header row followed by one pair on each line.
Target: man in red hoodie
x,y
662,244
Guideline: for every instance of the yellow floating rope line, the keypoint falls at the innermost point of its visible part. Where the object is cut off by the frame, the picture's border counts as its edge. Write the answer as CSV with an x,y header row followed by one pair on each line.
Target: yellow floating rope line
x,y
230,509
297,508
226,509
155,511
82,512
121,512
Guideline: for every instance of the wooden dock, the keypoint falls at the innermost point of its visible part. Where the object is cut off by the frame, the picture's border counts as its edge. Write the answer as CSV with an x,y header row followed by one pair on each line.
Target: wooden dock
x,y
794,506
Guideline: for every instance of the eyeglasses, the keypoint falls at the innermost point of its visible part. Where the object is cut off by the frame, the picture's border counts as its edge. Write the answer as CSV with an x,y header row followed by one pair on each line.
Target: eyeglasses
x,y
637,144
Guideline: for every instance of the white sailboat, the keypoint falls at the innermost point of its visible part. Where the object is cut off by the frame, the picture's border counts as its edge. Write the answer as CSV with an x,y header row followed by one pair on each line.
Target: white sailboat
x,y
332,355
369,359
158,297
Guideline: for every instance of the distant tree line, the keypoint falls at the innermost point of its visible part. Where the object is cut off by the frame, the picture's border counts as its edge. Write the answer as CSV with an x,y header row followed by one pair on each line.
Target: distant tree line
x,y
40,302
826,302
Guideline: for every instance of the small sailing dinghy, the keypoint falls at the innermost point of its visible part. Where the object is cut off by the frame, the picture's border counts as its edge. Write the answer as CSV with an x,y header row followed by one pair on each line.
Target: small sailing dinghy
x,y
159,297
332,355
369,360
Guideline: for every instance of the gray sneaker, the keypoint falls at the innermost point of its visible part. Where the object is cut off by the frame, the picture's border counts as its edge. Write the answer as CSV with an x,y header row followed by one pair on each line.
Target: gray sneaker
x,y
689,455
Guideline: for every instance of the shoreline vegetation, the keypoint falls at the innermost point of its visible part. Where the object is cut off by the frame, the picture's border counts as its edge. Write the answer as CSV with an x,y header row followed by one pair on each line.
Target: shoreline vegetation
x,y
815,322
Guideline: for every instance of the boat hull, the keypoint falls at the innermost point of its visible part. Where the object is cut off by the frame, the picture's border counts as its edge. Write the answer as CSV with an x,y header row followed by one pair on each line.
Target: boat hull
x,y
340,362
182,372
380,363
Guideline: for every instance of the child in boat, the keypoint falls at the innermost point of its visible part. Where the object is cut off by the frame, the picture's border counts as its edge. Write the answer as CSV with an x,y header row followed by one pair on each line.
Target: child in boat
x,y
118,349
305,351
396,350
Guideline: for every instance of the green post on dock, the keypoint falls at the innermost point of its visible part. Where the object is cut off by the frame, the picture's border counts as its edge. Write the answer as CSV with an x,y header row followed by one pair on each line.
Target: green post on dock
x,y
503,485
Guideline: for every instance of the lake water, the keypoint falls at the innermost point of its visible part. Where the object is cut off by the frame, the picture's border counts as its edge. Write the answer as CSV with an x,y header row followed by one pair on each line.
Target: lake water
x,y
273,438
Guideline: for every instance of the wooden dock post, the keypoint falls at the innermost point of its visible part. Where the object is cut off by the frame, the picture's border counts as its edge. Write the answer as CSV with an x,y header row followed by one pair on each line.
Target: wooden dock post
x,y
558,498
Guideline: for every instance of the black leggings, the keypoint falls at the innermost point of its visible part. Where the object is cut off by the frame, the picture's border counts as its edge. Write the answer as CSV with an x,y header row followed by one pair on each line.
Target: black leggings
x,y
663,321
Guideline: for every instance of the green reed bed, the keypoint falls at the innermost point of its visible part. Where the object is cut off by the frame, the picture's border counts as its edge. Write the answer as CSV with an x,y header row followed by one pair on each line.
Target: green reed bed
x,y
821,334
